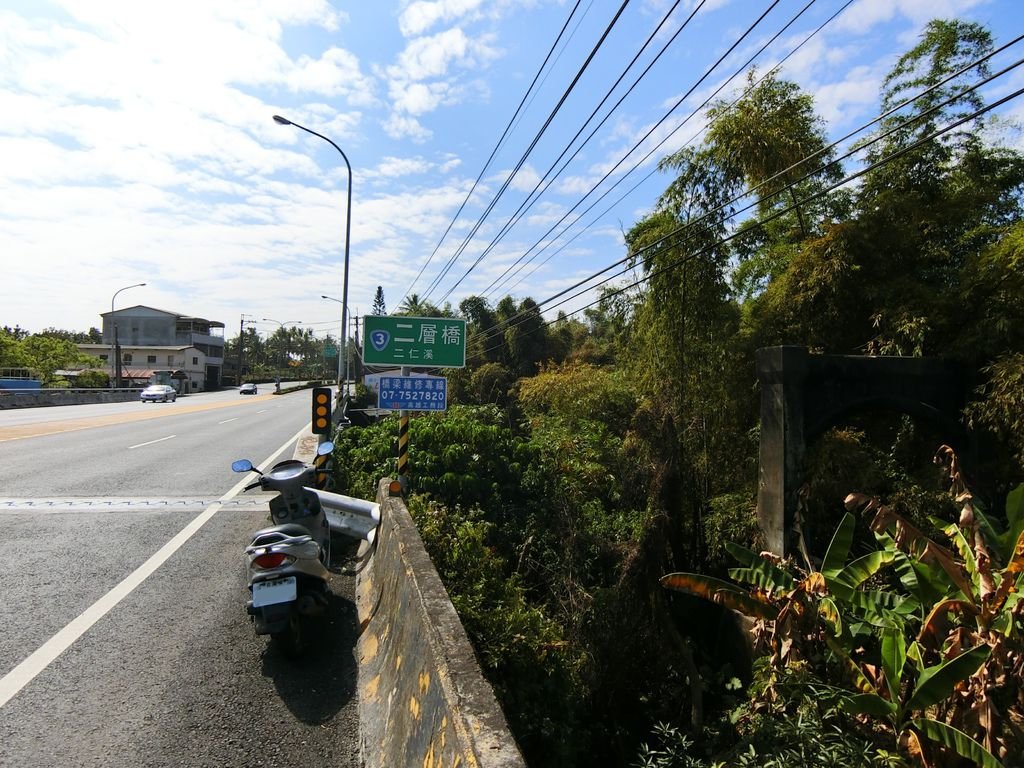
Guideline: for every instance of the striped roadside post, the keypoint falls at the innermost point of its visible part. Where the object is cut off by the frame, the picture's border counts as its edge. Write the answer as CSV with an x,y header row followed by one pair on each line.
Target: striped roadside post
x,y
403,440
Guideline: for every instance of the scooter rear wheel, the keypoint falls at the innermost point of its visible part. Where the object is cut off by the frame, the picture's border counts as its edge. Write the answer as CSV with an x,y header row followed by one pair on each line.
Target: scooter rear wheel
x,y
291,641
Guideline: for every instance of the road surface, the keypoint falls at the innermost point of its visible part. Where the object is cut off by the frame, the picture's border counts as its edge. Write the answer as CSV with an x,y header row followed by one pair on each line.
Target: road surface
x,y
125,640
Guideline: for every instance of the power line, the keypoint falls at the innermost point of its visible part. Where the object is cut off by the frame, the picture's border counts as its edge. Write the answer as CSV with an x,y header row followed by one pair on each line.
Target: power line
x,y
849,135
497,284
533,196
670,111
511,323
497,146
522,160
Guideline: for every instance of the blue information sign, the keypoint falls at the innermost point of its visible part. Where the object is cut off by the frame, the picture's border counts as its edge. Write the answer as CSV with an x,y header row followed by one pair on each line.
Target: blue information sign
x,y
412,393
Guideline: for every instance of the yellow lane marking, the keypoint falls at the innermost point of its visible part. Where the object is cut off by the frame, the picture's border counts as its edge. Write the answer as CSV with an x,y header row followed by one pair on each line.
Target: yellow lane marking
x,y
153,411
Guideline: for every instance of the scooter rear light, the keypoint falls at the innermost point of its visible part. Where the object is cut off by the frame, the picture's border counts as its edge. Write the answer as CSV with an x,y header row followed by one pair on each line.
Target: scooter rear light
x,y
272,560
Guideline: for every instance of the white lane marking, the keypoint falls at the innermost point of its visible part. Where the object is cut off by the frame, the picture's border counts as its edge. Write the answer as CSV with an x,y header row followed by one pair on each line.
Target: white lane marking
x,y
169,437
227,420
45,654
263,411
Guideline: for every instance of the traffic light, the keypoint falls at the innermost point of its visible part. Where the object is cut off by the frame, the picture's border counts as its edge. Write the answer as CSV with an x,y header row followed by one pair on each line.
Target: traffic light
x,y
321,411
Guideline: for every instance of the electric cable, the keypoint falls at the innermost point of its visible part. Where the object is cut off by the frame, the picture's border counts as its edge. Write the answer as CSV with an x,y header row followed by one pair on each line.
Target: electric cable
x,y
688,257
546,245
505,133
522,160
849,135
534,195
686,95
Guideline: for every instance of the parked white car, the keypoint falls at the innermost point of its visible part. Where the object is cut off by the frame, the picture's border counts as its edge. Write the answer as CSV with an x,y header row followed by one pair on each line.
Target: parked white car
x,y
161,392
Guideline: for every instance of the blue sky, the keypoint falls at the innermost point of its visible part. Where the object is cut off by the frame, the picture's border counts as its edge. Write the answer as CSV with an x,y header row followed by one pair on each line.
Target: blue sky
x,y
137,142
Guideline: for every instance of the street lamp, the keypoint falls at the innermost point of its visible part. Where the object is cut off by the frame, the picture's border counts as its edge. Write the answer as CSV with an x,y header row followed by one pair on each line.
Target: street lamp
x,y
114,367
348,232
340,341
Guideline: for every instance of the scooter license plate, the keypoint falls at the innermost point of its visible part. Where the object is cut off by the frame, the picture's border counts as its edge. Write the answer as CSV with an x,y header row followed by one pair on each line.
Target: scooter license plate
x,y
273,592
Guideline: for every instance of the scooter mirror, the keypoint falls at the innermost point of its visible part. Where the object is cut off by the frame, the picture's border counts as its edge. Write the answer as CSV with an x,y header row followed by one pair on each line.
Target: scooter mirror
x,y
325,448
242,465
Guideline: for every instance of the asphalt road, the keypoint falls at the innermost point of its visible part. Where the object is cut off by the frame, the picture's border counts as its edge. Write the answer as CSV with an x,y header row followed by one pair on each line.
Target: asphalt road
x,y
125,640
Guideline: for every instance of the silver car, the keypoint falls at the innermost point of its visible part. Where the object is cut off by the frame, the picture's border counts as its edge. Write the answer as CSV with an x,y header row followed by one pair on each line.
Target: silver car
x,y
161,392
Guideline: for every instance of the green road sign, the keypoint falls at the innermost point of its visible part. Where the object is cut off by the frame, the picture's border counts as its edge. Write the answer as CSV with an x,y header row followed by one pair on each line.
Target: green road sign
x,y
424,342
330,351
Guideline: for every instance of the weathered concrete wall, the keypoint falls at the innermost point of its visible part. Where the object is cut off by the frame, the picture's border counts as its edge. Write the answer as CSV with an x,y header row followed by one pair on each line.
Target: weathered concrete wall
x,y
423,699
47,397
803,394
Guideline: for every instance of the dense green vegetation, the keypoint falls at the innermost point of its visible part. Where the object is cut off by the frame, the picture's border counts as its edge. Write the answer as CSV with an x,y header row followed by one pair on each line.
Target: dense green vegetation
x,y
590,457
43,354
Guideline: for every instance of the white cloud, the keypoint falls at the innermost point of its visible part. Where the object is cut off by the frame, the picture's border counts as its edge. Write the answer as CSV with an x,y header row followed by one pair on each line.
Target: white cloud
x,y
431,57
335,73
420,16
526,179
394,167
841,102
401,127
419,98
866,14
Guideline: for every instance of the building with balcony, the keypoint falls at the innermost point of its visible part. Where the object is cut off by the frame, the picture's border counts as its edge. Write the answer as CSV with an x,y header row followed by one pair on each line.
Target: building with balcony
x,y
161,347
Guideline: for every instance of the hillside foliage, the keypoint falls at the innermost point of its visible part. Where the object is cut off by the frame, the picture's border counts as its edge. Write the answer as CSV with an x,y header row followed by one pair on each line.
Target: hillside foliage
x,y
593,460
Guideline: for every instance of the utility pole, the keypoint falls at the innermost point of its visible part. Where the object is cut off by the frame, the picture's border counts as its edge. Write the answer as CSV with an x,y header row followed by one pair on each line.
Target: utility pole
x,y
241,344
358,365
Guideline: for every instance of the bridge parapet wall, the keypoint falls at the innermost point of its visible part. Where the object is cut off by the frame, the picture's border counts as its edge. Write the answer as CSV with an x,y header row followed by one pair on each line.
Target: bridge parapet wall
x,y
423,699
49,397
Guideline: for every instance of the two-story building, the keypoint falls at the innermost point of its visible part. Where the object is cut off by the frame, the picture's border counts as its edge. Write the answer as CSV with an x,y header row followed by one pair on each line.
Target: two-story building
x,y
160,347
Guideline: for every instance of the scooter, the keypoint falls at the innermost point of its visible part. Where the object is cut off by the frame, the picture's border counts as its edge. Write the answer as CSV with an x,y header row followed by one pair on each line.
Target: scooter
x,y
288,563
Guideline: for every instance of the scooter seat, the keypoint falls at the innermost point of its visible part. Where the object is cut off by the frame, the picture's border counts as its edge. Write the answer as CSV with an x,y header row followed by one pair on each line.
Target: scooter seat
x,y
287,529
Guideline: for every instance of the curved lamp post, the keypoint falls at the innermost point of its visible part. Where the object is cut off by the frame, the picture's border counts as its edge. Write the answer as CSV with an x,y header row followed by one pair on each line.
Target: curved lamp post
x,y
339,301
348,232
114,362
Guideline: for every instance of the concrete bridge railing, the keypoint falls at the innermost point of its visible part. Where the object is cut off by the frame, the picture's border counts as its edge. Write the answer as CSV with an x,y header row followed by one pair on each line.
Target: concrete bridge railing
x,y
47,397
423,699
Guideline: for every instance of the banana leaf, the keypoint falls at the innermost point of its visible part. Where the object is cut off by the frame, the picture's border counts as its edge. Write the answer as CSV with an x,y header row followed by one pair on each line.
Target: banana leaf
x,y
827,610
939,611
1015,530
860,680
958,741
839,547
743,555
894,656
915,655
1015,564
869,704
967,553
937,683
765,575
882,608
720,592
863,568
995,538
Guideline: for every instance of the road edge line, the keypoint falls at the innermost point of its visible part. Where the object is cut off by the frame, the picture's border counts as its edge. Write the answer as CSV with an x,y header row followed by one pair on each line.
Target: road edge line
x,y
37,661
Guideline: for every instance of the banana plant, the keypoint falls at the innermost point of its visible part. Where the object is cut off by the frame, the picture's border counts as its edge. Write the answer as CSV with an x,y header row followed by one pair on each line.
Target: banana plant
x,y
939,642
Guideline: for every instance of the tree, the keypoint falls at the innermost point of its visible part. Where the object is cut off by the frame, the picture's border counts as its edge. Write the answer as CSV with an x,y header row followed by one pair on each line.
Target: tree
x,y
414,306
379,307
483,337
945,48
77,337
525,335
46,355
17,332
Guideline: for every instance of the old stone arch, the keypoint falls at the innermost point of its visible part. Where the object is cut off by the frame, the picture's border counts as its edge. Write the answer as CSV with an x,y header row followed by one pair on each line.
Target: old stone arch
x,y
802,395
